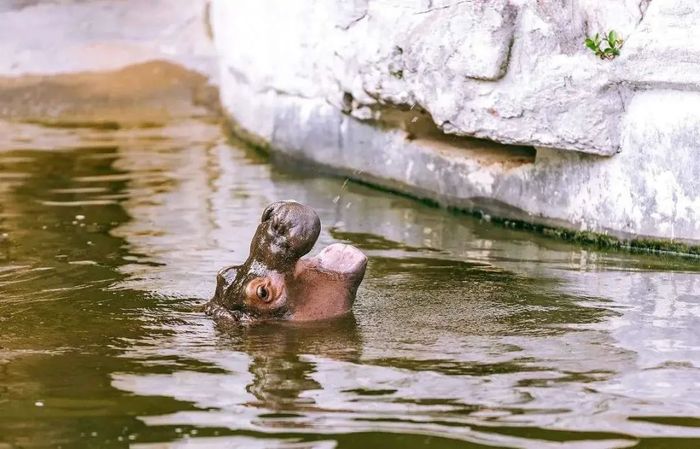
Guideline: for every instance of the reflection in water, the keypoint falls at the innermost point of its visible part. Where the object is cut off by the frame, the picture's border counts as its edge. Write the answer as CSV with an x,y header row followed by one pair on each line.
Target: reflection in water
x,y
281,373
464,334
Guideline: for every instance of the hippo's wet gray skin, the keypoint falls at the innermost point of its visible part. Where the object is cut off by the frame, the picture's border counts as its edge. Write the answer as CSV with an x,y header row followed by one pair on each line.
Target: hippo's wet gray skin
x,y
277,282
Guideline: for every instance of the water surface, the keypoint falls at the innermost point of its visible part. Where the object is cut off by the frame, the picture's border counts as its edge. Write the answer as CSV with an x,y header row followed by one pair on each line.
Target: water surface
x,y
464,334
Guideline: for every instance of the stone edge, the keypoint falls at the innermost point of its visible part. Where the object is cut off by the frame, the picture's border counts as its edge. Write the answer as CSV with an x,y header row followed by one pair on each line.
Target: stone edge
x,y
548,227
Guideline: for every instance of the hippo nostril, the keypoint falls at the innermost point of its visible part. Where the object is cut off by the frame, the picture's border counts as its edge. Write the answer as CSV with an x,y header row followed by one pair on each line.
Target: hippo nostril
x,y
279,226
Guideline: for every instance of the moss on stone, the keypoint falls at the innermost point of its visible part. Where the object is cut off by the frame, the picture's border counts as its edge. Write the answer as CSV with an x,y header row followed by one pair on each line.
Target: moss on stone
x,y
600,240
586,238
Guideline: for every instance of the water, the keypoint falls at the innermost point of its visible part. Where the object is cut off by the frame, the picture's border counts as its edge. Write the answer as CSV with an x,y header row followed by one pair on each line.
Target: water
x,y
464,334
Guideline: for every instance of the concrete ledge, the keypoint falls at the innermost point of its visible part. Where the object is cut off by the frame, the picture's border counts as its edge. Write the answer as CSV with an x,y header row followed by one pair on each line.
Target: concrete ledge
x,y
391,93
642,194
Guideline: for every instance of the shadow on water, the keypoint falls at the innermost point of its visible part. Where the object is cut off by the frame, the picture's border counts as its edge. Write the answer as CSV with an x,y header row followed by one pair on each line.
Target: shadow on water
x,y
280,372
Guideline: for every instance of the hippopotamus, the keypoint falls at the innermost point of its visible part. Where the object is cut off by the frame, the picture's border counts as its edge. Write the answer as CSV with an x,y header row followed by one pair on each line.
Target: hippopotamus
x,y
276,282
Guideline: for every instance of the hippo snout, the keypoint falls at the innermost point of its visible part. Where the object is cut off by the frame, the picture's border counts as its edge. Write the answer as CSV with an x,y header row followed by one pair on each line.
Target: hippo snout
x,y
342,258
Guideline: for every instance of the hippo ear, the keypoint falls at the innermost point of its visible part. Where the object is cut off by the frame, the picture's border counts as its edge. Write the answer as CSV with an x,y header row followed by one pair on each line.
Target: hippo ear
x,y
267,213
224,278
272,207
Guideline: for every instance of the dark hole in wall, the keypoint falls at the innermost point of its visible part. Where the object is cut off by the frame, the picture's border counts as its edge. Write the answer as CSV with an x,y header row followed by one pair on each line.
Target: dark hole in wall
x,y
419,127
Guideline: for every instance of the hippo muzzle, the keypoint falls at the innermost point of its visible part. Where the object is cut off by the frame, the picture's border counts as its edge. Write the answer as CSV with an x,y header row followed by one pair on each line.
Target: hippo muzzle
x,y
277,282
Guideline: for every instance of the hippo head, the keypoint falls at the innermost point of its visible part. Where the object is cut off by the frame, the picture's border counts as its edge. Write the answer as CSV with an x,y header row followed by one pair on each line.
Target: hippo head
x,y
277,282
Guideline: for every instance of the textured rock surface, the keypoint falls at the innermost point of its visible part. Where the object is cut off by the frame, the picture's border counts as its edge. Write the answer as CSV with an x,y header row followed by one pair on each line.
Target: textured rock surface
x,y
665,50
342,84
515,72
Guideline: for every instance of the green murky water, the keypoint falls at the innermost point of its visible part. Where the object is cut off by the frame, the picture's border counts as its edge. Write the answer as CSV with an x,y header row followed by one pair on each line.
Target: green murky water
x,y
464,334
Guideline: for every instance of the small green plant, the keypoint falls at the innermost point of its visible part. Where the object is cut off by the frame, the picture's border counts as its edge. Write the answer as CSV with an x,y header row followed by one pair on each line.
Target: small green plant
x,y
606,48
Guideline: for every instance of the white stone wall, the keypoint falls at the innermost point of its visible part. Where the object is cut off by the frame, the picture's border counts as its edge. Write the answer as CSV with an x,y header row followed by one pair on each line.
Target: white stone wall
x,y
617,140
512,71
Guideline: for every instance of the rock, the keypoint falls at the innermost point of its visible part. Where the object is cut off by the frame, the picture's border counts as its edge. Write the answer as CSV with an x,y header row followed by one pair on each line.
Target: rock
x,y
393,93
469,39
514,72
664,51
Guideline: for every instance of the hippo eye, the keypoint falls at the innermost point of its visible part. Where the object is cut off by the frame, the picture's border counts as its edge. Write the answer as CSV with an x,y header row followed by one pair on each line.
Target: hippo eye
x,y
262,293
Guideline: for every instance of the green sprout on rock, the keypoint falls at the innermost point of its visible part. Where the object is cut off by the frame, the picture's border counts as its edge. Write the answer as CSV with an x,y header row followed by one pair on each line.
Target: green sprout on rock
x,y
606,48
